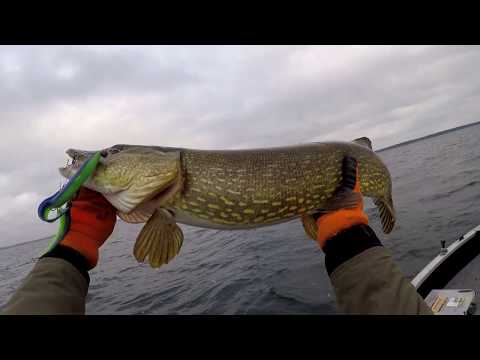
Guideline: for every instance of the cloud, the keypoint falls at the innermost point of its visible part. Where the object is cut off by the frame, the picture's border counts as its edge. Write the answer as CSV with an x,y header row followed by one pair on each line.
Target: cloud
x,y
56,97
17,204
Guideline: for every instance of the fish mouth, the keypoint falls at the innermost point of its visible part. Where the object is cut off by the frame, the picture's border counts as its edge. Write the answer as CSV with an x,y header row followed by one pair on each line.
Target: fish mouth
x,y
75,161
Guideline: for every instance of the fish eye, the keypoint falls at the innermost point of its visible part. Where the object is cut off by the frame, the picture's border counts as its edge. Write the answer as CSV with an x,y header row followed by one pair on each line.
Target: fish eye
x,y
111,151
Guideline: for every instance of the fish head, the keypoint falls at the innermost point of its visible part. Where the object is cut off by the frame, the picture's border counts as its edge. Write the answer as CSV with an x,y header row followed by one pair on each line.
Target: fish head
x,y
129,175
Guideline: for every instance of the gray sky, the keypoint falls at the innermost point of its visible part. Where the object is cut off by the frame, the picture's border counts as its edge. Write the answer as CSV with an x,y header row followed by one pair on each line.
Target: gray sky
x,y
56,97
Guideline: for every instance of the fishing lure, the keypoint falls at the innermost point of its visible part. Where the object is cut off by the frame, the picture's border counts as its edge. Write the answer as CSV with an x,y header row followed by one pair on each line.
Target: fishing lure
x,y
60,202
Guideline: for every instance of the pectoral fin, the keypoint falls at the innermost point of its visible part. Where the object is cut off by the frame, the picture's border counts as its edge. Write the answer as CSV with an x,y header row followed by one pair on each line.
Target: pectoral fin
x,y
310,226
160,239
135,217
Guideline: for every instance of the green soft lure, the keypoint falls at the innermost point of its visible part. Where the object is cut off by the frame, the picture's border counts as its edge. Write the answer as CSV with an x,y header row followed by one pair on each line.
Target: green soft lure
x,y
61,200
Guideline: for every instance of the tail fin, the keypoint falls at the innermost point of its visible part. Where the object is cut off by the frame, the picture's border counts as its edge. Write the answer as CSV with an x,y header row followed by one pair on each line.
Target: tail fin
x,y
387,213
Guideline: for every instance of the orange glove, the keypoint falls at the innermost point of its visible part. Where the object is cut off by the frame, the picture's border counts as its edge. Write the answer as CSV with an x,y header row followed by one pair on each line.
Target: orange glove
x,y
92,221
333,223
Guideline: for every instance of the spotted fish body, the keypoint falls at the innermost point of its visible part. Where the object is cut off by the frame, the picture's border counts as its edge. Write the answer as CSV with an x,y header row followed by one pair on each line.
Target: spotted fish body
x,y
251,188
237,189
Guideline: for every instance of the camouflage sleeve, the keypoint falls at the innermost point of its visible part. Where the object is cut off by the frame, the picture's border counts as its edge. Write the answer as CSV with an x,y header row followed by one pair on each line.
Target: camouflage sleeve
x,y
56,285
365,278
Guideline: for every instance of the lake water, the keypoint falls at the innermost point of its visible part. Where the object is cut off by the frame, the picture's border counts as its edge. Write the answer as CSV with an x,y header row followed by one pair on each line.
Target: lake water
x,y
278,270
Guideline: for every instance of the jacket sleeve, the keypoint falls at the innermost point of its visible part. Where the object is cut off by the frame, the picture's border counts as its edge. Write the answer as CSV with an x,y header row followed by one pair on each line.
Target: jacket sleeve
x,y
58,284
365,278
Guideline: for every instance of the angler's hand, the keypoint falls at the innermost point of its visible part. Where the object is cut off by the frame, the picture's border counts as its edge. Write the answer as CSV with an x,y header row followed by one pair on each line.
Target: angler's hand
x,y
332,223
92,221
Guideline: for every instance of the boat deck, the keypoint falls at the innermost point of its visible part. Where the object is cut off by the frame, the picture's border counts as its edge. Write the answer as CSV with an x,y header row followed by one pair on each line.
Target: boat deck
x,y
468,278
456,267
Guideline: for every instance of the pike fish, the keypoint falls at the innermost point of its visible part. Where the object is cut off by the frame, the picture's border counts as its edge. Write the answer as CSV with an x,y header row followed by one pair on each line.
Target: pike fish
x,y
230,189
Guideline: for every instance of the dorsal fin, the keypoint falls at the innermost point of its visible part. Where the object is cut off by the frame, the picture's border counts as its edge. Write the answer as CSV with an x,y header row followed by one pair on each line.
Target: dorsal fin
x,y
364,141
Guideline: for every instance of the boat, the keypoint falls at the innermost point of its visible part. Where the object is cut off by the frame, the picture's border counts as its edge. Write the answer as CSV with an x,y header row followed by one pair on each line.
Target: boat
x,y
450,282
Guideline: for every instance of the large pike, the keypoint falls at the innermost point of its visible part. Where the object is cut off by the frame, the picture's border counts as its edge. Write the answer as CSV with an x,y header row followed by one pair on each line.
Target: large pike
x,y
229,189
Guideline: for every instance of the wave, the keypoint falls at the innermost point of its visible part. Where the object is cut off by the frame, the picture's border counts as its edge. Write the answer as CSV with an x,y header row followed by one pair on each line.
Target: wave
x,y
444,195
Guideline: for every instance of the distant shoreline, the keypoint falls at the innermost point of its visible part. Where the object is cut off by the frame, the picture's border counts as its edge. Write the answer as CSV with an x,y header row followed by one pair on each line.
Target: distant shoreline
x,y
428,136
